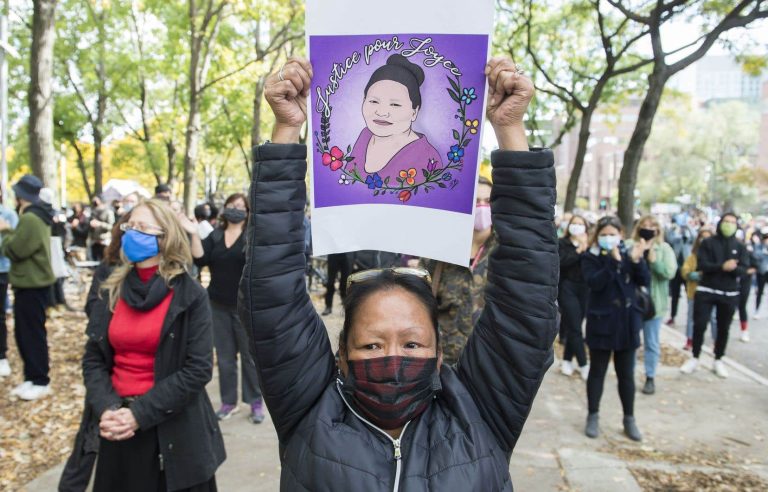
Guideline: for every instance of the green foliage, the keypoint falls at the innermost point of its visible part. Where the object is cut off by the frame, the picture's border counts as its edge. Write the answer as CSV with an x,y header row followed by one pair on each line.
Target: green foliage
x,y
705,153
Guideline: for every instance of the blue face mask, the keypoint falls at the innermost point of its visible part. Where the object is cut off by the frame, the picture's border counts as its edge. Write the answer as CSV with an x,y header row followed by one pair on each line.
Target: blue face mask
x,y
138,246
608,242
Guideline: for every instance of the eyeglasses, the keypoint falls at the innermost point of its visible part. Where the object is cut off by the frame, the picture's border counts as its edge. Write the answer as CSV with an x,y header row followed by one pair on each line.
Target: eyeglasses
x,y
143,228
367,275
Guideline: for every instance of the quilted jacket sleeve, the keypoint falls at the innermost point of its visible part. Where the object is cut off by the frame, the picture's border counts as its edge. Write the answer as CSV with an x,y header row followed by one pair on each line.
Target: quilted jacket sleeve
x,y
289,341
508,353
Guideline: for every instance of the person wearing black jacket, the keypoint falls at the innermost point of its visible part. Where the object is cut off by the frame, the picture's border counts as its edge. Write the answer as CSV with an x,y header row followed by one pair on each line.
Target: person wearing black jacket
x,y
572,296
614,319
148,357
223,252
722,259
453,428
745,281
79,466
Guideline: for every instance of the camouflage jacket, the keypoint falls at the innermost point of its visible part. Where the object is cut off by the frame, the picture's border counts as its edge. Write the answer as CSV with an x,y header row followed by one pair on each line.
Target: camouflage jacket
x,y
460,300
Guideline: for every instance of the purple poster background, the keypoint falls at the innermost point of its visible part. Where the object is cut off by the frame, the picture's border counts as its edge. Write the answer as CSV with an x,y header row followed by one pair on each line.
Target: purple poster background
x,y
451,189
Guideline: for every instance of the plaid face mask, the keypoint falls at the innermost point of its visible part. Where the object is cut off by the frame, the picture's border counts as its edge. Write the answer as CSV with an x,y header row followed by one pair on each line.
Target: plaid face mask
x,y
390,391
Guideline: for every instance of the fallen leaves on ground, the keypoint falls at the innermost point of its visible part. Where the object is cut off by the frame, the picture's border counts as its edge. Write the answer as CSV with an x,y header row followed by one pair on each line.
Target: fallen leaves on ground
x,y
696,481
36,435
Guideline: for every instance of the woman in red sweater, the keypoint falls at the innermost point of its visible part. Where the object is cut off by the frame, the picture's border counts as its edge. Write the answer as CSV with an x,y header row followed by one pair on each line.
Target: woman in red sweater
x,y
147,361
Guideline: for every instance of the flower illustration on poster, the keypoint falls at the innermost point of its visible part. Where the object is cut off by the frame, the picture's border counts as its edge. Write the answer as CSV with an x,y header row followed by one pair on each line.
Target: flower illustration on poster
x,y
397,118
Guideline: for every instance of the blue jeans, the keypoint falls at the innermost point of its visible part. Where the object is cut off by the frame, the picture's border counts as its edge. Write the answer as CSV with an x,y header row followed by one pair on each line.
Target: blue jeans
x,y
689,326
651,346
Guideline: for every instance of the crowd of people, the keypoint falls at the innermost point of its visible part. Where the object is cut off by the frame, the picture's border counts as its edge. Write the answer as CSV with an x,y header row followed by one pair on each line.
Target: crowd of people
x,y
618,285
425,344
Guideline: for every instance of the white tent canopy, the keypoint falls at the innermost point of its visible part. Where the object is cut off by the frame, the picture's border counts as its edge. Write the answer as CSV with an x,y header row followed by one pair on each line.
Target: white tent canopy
x,y
116,189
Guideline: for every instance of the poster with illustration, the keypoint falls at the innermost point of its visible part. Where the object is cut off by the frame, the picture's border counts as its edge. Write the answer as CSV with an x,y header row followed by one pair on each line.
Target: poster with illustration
x,y
396,117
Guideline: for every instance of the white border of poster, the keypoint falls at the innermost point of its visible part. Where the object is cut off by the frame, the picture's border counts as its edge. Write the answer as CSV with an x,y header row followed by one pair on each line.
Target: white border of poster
x,y
417,231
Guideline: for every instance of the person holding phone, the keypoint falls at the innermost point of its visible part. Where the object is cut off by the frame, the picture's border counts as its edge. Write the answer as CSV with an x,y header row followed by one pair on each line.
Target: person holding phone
x,y
614,318
572,295
722,259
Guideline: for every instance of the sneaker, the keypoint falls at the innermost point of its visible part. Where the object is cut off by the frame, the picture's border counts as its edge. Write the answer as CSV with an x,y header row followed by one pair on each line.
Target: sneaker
x,y
720,370
688,344
18,389
631,430
670,322
689,366
257,412
227,411
584,370
566,367
592,429
744,336
650,387
34,392
757,315
5,368
327,311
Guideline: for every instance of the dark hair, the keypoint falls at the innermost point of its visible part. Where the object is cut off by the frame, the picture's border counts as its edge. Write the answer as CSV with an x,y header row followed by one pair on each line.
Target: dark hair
x,y
720,222
388,280
112,251
162,188
232,198
399,69
201,212
575,216
608,220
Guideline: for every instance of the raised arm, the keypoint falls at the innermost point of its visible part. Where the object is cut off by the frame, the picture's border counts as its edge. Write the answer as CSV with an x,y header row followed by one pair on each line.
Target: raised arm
x,y
509,351
289,341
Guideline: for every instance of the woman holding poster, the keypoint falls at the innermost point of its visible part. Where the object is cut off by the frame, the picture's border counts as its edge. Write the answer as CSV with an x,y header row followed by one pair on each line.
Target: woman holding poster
x,y
390,415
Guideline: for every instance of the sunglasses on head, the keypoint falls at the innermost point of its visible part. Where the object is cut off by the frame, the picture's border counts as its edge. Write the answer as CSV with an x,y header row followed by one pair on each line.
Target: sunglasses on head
x,y
366,275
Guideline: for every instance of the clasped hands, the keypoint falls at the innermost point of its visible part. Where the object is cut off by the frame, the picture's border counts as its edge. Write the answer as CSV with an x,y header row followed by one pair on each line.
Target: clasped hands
x,y
118,425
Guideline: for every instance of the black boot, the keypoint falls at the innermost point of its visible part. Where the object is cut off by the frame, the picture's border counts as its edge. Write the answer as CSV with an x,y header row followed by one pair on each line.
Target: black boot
x,y
592,430
327,311
650,387
631,430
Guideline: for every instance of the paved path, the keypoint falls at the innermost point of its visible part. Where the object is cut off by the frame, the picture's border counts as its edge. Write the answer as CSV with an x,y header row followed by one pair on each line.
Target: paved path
x,y
751,355
696,422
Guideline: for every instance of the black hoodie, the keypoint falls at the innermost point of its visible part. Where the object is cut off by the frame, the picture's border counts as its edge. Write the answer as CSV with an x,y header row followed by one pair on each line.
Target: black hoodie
x,y
43,210
715,251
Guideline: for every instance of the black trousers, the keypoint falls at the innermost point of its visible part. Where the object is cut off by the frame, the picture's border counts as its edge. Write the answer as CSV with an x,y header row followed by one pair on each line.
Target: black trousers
x,y
97,251
761,278
725,306
337,263
3,327
624,363
745,285
134,465
31,338
674,292
573,304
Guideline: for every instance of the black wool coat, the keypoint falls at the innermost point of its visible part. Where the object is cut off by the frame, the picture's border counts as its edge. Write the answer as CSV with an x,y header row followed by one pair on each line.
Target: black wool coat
x,y
188,432
614,319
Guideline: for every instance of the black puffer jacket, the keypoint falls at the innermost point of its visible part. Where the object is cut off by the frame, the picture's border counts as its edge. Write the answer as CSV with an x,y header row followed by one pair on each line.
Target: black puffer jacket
x,y
465,438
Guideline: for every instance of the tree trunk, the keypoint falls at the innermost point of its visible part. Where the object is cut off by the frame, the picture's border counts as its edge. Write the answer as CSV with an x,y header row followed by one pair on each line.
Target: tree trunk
x,y
258,99
170,152
578,163
634,152
191,141
40,96
81,167
98,168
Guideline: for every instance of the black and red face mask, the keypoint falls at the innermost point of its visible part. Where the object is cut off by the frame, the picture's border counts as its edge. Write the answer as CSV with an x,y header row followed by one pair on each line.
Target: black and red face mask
x,y
390,391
